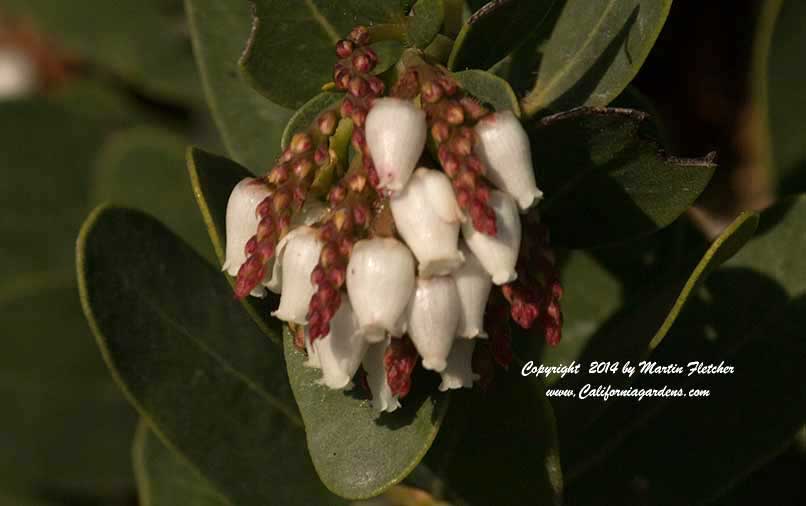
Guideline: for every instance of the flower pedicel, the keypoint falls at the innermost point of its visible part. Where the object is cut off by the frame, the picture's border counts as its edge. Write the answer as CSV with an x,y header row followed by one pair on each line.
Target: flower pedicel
x,y
412,253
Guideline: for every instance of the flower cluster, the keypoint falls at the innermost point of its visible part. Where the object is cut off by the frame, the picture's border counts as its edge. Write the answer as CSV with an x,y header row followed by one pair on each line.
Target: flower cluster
x,y
396,262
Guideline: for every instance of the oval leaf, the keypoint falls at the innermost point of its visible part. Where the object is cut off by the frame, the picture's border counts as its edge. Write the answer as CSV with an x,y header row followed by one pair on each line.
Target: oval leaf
x,y
191,360
489,89
749,314
495,30
165,479
357,452
583,55
615,184
425,22
302,119
250,125
500,446
291,52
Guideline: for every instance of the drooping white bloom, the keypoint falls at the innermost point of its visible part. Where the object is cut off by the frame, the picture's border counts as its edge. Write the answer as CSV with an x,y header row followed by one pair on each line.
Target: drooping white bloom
x,y
380,281
312,212
242,222
298,254
313,358
428,218
433,318
504,148
382,397
18,75
498,255
396,132
459,371
340,352
473,284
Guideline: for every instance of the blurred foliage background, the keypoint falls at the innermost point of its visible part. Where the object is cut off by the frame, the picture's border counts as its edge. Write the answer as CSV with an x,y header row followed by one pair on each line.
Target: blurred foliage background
x,y
109,98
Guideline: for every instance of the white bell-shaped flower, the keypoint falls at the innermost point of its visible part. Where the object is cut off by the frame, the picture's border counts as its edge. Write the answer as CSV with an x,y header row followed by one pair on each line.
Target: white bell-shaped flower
x,y
433,318
374,366
498,254
18,74
473,284
312,212
380,281
340,352
459,371
242,222
313,358
298,254
503,146
428,218
395,132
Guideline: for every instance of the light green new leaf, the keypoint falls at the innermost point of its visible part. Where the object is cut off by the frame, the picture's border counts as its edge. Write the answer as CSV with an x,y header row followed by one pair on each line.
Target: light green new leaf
x,y
605,178
144,42
291,52
250,124
164,478
749,314
191,360
583,55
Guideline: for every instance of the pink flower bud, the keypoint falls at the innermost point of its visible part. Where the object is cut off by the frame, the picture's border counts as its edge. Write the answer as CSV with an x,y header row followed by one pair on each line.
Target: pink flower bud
x,y
242,222
504,148
374,364
473,284
428,218
498,254
459,371
340,352
433,318
297,256
396,132
380,281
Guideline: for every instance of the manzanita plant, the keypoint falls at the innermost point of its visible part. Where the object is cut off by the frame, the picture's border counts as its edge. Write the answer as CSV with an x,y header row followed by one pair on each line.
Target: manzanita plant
x,y
404,184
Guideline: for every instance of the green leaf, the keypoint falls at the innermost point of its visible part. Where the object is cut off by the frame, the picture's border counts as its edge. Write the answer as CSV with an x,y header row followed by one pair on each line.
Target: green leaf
x,y
249,124
357,452
582,55
305,115
778,88
638,331
213,178
489,89
500,446
165,479
749,314
605,181
291,52
142,42
425,22
194,364
144,168
495,30
59,406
